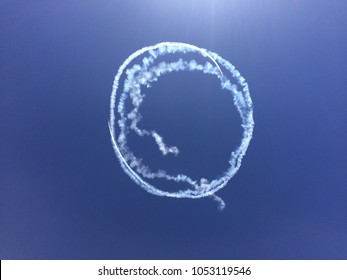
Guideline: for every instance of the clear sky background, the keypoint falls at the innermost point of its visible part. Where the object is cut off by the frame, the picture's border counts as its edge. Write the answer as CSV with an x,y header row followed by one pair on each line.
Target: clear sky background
x,y
63,194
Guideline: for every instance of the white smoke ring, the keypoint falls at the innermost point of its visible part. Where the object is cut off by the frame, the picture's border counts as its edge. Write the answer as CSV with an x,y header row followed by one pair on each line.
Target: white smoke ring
x,y
138,76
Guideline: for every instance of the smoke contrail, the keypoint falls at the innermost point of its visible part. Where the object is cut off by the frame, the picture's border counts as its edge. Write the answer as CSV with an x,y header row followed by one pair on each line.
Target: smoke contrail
x,y
148,72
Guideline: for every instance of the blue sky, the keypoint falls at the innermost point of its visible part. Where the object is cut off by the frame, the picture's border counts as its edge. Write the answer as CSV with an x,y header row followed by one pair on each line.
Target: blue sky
x,y
63,192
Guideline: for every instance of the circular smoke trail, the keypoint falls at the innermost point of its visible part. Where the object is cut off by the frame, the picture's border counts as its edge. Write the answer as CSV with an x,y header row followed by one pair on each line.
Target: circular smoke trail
x,y
143,75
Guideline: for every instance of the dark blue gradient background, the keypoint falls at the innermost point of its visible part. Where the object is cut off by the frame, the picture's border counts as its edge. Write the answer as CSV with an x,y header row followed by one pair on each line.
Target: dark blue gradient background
x,y
63,195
